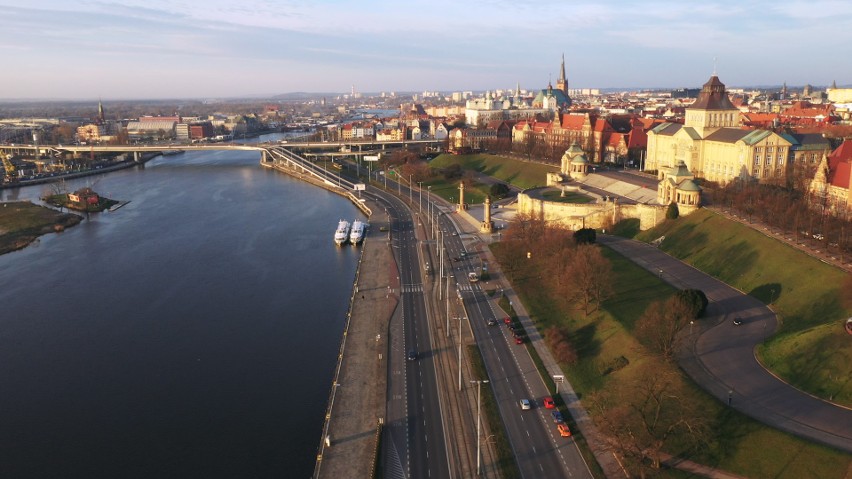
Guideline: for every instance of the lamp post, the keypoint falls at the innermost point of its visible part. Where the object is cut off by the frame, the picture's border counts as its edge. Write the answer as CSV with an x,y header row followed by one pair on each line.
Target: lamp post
x,y
429,206
448,305
410,192
478,407
420,196
460,357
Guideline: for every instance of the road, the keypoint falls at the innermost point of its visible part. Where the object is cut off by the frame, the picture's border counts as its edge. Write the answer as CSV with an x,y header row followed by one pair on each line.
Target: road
x,y
415,444
538,448
720,355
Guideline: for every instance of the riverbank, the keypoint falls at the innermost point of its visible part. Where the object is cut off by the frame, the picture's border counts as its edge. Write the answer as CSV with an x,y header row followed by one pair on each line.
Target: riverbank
x,y
22,222
80,174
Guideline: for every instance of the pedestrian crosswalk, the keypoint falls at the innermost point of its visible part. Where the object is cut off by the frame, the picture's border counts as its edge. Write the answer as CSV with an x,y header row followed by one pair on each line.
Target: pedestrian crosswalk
x,y
418,288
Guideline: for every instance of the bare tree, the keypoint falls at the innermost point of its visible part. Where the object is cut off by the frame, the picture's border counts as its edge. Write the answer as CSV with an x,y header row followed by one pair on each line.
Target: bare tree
x,y
647,415
660,324
591,274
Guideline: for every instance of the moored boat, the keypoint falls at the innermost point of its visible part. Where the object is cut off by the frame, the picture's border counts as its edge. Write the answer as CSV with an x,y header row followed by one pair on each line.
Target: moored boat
x,y
341,235
357,234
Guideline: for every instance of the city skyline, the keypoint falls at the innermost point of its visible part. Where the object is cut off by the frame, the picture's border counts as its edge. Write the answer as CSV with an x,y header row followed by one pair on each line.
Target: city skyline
x,y
138,49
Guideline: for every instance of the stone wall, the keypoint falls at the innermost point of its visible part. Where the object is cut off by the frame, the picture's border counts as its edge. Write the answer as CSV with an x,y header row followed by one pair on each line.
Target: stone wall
x,y
596,215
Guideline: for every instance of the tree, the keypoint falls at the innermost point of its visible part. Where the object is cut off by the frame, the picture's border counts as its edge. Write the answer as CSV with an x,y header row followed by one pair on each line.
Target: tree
x,y
585,236
560,345
659,325
672,212
647,414
591,276
499,190
696,299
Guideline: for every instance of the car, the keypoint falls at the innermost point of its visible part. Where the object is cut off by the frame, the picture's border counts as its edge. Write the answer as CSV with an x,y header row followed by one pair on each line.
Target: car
x,y
519,340
557,417
507,320
492,322
412,355
563,430
549,403
455,233
525,404
738,321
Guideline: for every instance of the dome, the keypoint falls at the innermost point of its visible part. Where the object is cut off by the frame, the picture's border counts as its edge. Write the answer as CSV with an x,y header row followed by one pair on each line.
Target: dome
x,y
580,160
689,185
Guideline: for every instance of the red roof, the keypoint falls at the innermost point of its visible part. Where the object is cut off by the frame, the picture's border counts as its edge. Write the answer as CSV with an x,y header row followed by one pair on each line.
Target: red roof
x,y
573,122
840,176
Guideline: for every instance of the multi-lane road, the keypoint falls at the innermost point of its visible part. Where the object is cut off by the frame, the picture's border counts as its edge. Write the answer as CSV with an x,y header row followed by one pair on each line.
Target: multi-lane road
x,y
417,444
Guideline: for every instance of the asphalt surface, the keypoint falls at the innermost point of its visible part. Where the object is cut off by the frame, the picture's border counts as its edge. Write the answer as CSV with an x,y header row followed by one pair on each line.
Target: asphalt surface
x,y
719,355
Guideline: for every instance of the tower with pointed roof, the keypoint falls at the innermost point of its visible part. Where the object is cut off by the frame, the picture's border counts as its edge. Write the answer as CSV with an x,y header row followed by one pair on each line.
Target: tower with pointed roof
x,y
101,117
712,110
562,82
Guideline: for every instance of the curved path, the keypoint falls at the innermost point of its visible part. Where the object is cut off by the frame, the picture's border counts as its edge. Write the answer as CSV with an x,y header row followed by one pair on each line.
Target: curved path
x,y
719,356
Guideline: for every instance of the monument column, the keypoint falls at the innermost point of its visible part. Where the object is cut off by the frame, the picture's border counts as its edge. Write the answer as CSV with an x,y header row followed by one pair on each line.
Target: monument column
x,y
461,196
486,226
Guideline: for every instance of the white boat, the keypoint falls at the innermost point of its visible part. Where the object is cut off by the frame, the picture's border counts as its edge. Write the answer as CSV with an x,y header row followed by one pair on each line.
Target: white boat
x,y
357,233
342,233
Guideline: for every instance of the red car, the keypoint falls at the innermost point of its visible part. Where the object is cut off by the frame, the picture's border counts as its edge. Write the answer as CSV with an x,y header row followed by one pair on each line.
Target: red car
x,y
507,320
519,340
548,403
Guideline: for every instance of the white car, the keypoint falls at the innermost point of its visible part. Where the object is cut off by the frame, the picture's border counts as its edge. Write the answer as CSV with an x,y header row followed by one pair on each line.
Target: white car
x,y
525,404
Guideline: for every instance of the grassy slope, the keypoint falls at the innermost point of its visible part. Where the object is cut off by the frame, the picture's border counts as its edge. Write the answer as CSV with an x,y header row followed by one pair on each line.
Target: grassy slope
x,y
741,445
811,349
518,173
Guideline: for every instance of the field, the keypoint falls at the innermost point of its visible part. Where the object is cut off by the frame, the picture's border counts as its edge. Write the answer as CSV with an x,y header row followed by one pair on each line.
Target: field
x,y
518,173
22,222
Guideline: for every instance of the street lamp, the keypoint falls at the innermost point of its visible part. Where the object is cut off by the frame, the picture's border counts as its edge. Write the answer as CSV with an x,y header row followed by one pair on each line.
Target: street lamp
x,y
420,198
478,406
448,305
410,193
460,357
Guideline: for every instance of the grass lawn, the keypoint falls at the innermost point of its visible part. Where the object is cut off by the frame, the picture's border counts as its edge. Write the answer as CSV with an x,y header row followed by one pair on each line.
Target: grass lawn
x,y
570,197
609,356
449,190
811,349
515,172
22,222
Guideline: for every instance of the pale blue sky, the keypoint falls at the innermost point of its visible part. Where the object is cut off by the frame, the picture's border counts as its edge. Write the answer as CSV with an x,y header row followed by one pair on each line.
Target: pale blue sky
x,y
226,48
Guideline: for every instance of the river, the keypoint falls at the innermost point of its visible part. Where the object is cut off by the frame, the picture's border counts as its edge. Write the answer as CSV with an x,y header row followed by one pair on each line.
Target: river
x,y
191,333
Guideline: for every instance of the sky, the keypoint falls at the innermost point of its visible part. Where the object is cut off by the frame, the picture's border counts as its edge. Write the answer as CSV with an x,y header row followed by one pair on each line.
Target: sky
x,y
153,49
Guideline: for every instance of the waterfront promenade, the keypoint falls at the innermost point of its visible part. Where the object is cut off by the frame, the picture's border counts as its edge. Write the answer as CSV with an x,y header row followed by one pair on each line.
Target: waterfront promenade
x,y
358,390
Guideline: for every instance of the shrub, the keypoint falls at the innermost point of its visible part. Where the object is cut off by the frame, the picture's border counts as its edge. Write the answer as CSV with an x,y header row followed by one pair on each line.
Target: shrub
x,y
585,236
672,212
695,298
499,190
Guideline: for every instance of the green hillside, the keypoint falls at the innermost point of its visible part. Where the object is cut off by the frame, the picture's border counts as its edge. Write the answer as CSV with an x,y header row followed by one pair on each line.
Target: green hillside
x,y
811,350
518,173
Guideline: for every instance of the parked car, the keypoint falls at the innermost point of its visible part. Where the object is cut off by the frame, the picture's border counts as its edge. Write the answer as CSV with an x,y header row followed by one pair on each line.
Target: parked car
x,y
507,320
519,340
525,404
549,403
563,429
557,417
738,321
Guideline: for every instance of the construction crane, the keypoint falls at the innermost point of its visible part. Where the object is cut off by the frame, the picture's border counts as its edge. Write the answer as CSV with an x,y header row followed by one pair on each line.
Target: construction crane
x,y
10,168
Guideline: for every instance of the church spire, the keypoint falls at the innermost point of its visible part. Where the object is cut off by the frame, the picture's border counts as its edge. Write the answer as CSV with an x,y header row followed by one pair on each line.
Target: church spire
x,y
562,82
101,117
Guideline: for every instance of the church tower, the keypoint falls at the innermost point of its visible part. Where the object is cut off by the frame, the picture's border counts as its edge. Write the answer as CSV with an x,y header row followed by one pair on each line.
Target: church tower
x,y
562,82
712,110
101,117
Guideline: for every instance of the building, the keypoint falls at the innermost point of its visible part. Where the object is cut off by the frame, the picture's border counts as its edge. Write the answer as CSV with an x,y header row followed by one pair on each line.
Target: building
x,y
712,146
831,183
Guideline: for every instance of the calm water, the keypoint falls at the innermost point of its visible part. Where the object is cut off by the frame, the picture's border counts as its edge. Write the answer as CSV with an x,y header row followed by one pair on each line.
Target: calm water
x,y
191,333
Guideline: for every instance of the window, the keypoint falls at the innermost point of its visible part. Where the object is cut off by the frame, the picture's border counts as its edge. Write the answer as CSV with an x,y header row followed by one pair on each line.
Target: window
x,y
756,160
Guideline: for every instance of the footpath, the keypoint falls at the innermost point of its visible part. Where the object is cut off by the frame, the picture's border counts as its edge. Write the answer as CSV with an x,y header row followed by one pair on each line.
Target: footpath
x,y
356,406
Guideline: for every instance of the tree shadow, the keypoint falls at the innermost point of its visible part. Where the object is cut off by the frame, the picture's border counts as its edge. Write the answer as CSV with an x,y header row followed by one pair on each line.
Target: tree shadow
x,y
767,293
584,340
